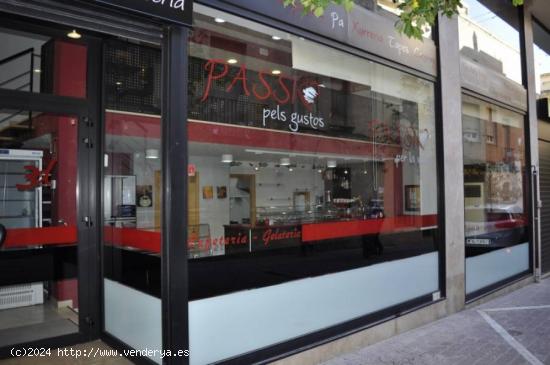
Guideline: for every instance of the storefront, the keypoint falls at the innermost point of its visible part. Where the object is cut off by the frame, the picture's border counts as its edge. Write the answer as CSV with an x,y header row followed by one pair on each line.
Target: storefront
x,y
254,182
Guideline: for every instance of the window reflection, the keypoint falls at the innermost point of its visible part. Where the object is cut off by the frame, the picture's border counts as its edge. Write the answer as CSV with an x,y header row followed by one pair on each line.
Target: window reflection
x,y
495,193
489,37
298,149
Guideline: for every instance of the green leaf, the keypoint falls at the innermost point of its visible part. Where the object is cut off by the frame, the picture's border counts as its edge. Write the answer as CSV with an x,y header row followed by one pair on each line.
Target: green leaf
x,y
318,11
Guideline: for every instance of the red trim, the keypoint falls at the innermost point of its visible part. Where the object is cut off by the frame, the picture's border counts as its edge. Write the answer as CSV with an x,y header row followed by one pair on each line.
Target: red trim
x,y
324,231
132,125
25,237
150,240
264,138
122,124
131,237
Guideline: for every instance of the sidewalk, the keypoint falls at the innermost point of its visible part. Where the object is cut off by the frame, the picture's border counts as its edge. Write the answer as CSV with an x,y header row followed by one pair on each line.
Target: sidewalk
x,y
510,330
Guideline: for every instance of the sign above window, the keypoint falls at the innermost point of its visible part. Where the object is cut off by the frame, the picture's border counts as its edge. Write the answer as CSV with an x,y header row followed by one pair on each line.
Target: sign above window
x,y
174,11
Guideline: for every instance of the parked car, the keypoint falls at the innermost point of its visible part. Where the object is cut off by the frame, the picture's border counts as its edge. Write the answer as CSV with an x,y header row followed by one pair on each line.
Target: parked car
x,y
495,226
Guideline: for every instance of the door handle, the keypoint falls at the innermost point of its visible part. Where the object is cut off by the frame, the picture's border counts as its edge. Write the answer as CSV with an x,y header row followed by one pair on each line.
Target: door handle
x,y
3,234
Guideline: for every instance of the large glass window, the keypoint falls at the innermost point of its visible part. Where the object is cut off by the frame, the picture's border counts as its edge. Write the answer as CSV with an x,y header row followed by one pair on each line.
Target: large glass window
x,y
132,195
542,60
495,193
312,187
489,38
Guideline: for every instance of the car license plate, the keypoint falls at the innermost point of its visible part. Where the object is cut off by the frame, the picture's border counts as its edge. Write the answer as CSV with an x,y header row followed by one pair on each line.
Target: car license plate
x,y
478,241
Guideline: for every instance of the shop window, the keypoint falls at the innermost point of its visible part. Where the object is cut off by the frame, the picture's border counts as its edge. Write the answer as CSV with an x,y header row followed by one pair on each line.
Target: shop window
x,y
312,186
489,38
496,220
132,197
542,69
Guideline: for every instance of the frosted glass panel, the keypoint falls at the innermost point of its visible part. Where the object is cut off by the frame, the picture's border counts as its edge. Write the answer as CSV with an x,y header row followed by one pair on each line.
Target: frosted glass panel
x,y
233,324
492,267
133,317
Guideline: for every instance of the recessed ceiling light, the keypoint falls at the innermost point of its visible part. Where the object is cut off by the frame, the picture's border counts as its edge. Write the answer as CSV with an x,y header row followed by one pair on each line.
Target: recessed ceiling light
x,y
276,72
227,158
232,61
290,169
37,70
74,34
285,161
276,38
152,154
118,83
219,20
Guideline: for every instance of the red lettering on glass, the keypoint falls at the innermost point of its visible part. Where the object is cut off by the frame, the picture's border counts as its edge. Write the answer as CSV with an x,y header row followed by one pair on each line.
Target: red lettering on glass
x,y
35,177
285,89
265,84
241,76
281,92
210,66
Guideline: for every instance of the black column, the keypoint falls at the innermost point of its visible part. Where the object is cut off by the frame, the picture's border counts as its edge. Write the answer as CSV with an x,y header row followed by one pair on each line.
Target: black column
x,y
174,199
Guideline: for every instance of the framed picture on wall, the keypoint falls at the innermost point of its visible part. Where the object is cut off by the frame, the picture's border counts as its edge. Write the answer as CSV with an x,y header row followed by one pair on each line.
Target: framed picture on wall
x,y
144,195
412,198
221,192
208,192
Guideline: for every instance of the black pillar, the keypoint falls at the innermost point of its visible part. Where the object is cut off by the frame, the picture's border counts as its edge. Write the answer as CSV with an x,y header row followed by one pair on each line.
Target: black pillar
x,y
174,199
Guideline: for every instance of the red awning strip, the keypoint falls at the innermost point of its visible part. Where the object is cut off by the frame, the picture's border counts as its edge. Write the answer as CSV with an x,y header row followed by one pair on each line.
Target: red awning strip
x,y
28,237
328,230
151,241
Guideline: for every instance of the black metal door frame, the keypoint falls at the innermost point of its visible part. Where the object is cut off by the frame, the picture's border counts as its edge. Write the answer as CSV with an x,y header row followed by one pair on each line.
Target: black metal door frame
x,y
88,204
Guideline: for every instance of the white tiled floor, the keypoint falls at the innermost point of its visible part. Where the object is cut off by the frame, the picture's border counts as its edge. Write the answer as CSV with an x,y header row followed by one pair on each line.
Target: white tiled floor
x,y
24,324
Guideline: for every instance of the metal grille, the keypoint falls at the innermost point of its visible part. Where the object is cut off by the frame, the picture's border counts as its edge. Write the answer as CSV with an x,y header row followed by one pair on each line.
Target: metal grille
x,y
132,77
233,107
544,162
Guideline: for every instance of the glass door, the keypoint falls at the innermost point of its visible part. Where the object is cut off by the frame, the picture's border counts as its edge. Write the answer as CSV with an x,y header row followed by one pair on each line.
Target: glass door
x,y
39,283
49,252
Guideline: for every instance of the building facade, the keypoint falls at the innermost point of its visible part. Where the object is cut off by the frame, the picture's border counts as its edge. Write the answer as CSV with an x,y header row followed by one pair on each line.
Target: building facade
x,y
238,182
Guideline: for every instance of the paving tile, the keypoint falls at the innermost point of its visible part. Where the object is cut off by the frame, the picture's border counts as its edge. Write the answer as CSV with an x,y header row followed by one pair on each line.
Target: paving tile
x,y
467,339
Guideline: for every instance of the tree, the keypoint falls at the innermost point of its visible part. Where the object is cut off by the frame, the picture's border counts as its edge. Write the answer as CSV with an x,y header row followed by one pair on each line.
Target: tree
x,y
415,15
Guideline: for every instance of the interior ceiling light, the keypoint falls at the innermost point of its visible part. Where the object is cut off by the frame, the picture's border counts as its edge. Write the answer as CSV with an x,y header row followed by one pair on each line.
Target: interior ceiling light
x,y
276,72
74,34
37,70
331,164
219,20
152,154
276,38
227,158
285,161
232,61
